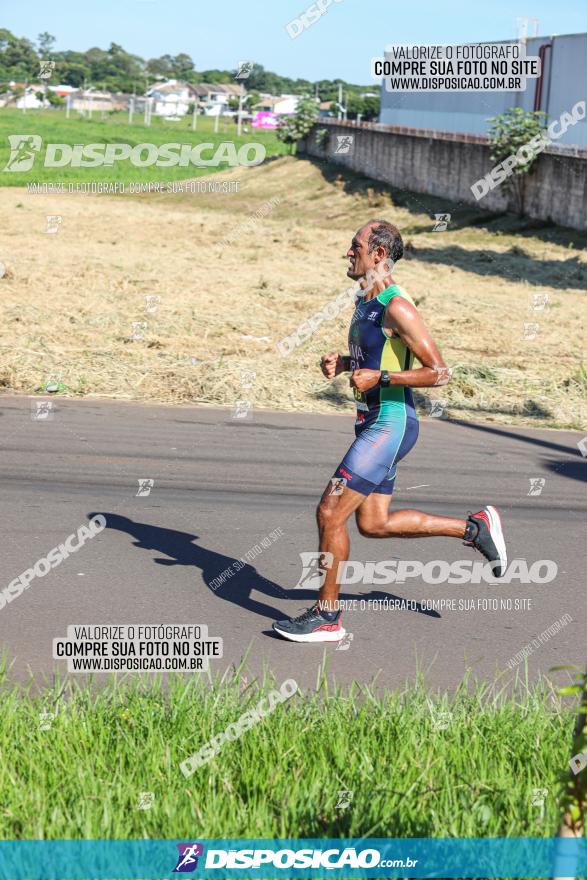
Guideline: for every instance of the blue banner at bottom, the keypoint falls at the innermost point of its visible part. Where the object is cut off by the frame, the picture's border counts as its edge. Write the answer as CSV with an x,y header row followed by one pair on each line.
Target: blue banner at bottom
x,y
305,858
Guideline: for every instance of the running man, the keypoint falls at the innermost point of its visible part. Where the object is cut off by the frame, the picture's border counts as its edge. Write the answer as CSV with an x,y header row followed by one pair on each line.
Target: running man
x,y
386,334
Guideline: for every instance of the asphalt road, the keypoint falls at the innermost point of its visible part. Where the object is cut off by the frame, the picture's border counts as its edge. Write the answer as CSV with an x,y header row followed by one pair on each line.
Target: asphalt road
x,y
221,486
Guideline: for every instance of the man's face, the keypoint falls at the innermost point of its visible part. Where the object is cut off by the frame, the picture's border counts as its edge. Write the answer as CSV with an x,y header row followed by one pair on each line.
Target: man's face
x,y
358,253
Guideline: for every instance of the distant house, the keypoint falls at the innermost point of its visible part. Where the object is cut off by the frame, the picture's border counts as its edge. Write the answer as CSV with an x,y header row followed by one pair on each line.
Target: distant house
x,y
121,101
90,101
286,105
170,98
62,90
282,105
30,100
212,98
328,108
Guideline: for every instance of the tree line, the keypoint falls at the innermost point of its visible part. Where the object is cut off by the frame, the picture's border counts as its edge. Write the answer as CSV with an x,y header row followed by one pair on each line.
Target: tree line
x,y
116,70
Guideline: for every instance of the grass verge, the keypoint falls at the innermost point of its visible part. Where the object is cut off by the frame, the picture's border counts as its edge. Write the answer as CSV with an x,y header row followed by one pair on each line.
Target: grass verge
x,y
416,765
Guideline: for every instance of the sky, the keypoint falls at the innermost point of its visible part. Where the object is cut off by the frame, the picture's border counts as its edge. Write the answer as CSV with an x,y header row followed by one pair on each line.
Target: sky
x,y
340,43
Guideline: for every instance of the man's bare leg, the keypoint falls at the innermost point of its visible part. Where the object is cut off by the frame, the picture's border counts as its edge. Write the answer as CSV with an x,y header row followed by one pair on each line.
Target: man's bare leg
x,y
332,515
375,520
322,622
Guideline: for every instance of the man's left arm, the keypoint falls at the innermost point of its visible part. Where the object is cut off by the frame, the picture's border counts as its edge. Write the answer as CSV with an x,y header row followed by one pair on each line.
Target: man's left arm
x,y
405,321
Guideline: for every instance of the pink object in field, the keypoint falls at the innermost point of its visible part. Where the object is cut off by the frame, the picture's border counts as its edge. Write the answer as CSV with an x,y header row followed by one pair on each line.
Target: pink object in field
x,y
264,119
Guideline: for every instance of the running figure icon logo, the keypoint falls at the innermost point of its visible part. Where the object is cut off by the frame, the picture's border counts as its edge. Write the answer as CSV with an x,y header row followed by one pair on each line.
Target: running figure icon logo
x,y
539,302
536,485
23,151
42,409
442,221
337,485
46,69
314,567
344,143
344,800
244,69
437,408
188,857
345,642
53,223
578,762
531,329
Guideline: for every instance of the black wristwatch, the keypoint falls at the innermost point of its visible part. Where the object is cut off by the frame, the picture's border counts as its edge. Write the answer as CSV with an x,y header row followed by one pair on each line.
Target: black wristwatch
x,y
385,380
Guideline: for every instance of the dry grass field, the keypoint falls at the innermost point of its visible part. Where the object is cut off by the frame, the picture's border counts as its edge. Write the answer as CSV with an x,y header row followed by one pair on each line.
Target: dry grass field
x,y
231,284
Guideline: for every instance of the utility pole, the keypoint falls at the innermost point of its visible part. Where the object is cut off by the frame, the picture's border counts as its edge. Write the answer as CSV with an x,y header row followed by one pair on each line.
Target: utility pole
x,y
131,108
195,116
216,121
524,25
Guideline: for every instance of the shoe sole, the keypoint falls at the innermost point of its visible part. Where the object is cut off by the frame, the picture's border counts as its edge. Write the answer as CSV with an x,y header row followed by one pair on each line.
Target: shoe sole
x,y
324,636
496,532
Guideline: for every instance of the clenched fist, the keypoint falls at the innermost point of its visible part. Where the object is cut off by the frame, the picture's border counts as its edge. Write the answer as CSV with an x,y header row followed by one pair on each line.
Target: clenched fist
x,y
363,380
332,364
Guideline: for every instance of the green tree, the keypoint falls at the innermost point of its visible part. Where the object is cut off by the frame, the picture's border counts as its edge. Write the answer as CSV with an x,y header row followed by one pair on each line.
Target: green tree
x,y
249,101
72,73
216,76
182,66
355,105
509,132
54,100
18,59
45,42
292,128
371,108
160,68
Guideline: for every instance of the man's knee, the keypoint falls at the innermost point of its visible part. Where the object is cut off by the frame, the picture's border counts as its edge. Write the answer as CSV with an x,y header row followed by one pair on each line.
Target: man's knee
x,y
329,515
371,528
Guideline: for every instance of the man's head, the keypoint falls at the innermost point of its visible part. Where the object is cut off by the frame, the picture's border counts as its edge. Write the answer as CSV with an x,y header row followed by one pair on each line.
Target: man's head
x,y
377,240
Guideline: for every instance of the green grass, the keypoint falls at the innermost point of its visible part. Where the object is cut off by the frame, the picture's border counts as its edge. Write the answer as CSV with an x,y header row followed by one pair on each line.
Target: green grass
x,y
82,777
53,127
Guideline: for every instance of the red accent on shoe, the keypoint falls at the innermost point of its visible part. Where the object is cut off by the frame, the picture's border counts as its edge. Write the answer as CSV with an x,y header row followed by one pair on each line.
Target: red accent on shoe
x,y
329,627
482,515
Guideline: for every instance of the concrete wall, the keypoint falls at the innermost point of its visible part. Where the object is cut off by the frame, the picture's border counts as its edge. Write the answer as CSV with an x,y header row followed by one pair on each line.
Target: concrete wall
x,y
564,83
445,164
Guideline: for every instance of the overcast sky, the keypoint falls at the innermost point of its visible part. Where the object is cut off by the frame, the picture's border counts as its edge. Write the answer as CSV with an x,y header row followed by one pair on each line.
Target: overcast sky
x,y
340,44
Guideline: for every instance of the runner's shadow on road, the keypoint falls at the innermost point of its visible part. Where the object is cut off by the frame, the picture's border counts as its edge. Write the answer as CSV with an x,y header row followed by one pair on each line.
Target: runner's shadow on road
x,y
239,582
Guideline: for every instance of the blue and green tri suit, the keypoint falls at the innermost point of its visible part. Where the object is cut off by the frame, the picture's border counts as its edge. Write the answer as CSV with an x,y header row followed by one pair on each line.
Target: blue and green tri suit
x,y
387,426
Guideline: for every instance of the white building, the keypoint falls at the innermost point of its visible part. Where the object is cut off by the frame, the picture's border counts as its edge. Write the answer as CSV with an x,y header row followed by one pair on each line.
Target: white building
x,y
282,105
213,98
170,98
559,87
30,100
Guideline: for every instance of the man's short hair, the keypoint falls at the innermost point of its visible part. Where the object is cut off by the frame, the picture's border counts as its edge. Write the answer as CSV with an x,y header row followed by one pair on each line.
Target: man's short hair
x,y
386,235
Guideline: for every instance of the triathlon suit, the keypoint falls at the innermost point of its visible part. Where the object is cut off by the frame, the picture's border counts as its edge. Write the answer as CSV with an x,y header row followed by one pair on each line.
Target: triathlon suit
x,y
387,425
